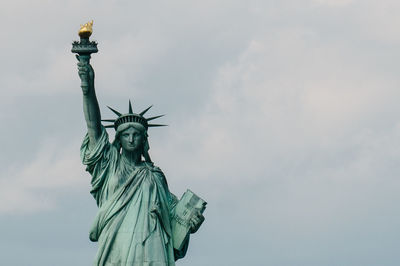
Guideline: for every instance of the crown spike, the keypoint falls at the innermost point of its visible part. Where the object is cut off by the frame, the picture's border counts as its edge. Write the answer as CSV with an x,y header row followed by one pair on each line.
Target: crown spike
x,y
157,125
130,107
108,120
109,126
154,117
145,110
114,111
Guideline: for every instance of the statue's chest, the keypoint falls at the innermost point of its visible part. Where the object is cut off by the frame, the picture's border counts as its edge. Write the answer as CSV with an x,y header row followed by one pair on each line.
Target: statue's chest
x,y
119,178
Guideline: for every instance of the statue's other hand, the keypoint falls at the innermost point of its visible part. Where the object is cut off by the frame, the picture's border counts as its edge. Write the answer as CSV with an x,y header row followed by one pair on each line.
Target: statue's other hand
x,y
196,221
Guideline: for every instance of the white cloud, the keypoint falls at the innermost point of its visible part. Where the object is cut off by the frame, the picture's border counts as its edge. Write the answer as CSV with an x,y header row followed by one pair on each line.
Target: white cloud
x,y
34,186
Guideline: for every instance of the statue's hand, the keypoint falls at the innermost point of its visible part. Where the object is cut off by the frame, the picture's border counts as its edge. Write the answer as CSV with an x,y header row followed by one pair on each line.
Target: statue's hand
x,y
196,221
86,74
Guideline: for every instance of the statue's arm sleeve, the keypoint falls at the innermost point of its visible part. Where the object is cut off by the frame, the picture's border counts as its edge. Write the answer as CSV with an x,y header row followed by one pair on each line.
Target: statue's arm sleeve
x,y
179,254
97,158
172,201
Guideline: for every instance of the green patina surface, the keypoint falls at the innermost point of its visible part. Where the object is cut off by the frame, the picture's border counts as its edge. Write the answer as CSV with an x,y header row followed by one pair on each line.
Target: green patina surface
x,y
139,221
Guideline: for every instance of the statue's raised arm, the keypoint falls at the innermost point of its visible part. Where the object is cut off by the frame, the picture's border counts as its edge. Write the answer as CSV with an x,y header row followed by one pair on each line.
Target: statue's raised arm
x,y
90,105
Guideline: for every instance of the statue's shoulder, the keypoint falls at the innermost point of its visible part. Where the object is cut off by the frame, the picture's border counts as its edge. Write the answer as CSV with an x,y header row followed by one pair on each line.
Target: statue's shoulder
x,y
153,168
157,173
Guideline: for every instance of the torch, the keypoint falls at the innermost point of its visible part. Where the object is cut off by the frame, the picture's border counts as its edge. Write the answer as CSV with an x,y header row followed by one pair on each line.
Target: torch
x,y
84,48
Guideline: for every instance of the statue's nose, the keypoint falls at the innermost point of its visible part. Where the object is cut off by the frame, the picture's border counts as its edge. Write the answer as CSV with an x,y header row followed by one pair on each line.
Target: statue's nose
x,y
131,138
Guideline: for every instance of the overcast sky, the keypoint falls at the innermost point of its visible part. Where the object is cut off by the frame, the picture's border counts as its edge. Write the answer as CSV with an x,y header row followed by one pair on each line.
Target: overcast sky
x,y
283,115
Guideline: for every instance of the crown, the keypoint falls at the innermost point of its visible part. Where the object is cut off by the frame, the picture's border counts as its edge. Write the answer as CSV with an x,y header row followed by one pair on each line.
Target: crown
x,y
132,117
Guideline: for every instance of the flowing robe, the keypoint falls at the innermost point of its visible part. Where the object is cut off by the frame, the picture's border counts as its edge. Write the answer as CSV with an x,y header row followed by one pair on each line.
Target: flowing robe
x,y
132,225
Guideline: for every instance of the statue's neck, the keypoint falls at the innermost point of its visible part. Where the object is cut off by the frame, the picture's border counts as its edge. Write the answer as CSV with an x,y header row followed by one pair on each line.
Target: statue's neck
x,y
134,158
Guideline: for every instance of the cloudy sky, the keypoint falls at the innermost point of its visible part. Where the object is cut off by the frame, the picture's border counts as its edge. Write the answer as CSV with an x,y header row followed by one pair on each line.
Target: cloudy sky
x,y
283,115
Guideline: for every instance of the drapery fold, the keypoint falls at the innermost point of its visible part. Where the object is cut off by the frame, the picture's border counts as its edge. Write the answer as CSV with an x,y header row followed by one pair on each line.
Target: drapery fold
x,y
132,225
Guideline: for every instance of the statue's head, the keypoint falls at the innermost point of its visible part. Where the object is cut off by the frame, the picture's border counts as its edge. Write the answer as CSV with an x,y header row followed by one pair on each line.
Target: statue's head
x,y
131,137
131,131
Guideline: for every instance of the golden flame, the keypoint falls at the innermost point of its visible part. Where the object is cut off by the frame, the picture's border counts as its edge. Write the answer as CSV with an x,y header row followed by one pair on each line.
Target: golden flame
x,y
86,30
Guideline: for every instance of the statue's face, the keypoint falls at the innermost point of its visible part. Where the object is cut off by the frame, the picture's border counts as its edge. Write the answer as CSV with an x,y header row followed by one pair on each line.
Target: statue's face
x,y
132,140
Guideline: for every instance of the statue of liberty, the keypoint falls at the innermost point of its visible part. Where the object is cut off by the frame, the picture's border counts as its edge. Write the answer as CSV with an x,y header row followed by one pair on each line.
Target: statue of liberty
x,y
137,212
